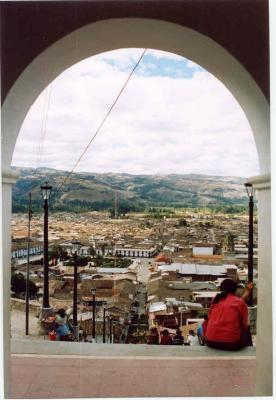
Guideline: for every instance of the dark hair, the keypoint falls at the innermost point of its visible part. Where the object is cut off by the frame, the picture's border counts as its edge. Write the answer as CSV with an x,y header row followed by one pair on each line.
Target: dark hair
x,y
61,312
227,286
178,332
165,332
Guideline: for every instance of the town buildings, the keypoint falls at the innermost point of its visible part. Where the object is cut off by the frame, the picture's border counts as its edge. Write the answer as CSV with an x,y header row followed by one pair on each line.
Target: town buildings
x,y
179,264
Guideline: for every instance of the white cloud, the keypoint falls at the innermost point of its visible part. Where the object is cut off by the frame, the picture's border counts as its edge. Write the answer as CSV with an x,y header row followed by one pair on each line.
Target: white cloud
x,y
192,64
158,54
159,125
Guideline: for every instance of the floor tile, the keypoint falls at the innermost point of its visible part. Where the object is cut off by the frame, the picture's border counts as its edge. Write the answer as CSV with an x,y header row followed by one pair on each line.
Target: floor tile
x,y
46,377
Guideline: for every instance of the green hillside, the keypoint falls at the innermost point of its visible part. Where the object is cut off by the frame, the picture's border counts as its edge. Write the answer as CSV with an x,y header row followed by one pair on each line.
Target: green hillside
x,y
90,191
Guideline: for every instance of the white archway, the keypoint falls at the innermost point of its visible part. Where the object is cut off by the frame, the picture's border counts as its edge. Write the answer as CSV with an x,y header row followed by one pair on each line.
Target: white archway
x,y
123,33
146,33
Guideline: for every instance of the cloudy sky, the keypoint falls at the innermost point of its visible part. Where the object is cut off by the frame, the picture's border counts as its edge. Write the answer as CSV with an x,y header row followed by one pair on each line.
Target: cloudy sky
x,y
173,117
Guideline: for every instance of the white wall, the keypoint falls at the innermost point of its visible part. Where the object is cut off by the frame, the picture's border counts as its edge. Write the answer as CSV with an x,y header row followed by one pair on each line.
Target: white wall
x,y
203,251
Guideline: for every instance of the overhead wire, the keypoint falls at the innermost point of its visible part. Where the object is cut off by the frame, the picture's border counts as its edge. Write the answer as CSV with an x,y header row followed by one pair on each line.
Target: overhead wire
x,y
102,122
44,123
46,106
44,129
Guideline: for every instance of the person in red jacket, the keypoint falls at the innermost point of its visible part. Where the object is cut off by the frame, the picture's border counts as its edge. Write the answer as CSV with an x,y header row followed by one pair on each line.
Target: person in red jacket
x,y
153,337
227,327
166,338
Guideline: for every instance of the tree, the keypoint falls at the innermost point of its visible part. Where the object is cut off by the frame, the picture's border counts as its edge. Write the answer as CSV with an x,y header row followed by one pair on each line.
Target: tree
x,y
103,246
99,260
33,289
57,251
182,222
18,283
92,251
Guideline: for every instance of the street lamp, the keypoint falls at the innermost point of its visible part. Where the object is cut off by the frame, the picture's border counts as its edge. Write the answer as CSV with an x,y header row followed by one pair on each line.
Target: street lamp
x,y
104,311
75,249
110,327
93,291
250,193
46,309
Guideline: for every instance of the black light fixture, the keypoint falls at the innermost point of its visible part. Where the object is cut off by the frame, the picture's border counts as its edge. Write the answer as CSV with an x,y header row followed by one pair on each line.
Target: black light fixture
x,y
45,191
250,192
93,291
249,189
75,246
75,250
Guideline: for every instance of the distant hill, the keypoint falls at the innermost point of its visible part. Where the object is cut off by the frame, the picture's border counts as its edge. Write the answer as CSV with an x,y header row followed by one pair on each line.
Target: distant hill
x,y
92,191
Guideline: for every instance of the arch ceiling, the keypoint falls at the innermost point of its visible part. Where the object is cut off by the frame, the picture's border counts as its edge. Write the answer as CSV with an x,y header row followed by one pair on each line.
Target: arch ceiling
x,y
241,27
112,34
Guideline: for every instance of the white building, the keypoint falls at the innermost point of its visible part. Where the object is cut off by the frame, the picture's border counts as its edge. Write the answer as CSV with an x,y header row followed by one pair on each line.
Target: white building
x,y
146,252
198,269
203,251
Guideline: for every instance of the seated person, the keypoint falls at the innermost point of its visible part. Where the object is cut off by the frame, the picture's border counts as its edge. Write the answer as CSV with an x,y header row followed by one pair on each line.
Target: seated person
x,y
228,327
192,339
166,337
153,337
201,330
178,339
61,327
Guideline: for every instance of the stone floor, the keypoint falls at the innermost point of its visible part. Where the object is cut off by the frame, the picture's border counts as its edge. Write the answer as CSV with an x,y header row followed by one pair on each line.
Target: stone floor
x,y
59,376
18,325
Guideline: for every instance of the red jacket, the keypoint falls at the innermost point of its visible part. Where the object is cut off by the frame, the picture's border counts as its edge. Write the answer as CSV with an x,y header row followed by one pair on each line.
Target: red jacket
x,y
166,340
226,318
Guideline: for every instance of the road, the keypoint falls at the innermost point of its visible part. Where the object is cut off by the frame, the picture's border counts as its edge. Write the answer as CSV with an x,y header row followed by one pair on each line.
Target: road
x,y
143,273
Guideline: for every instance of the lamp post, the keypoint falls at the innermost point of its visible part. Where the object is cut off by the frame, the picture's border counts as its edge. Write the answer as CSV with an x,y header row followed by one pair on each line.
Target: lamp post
x,y
93,291
46,309
110,328
250,193
104,311
75,249
28,267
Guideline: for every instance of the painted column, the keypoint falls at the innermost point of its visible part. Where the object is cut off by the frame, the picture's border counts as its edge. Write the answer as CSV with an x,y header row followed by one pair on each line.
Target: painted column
x,y
8,179
264,371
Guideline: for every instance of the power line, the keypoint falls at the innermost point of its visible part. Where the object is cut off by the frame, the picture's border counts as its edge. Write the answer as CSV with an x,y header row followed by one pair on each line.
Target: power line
x,y
44,123
102,123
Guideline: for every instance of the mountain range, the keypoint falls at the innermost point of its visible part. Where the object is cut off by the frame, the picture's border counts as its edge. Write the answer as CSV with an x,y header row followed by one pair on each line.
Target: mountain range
x,y
85,191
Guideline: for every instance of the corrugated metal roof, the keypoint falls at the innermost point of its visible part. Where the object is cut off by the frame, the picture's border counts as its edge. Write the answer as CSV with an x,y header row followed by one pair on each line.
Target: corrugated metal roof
x,y
112,270
158,306
196,269
195,285
205,294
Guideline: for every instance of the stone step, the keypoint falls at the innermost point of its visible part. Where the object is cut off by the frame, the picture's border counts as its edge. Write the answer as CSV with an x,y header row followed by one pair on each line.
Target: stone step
x,y
46,347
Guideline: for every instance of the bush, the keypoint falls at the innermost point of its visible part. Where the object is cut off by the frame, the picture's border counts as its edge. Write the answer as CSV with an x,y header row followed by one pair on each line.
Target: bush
x,y
33,289
18,285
